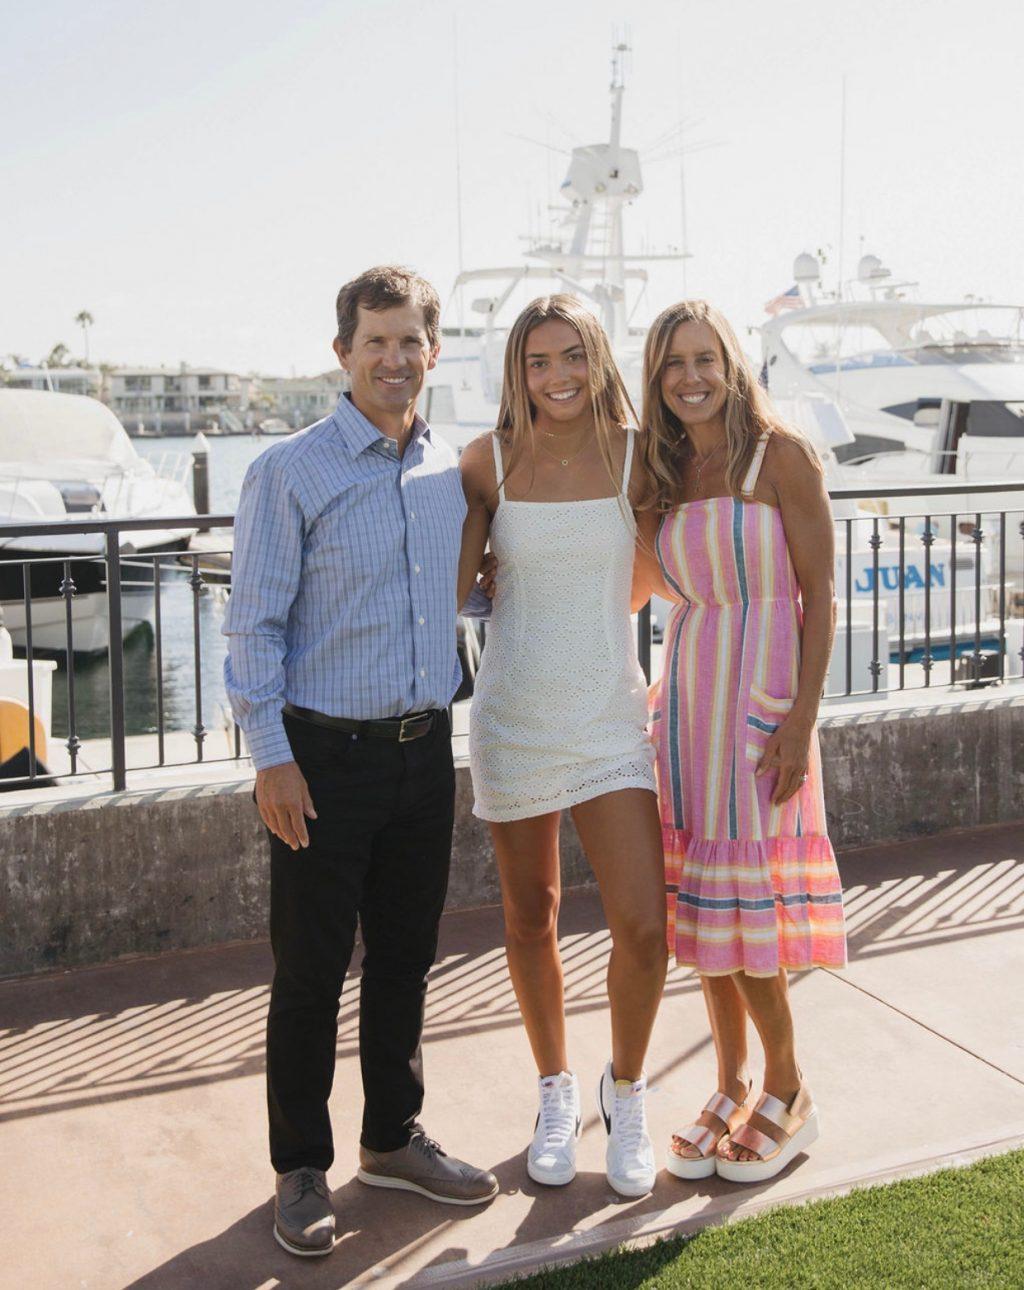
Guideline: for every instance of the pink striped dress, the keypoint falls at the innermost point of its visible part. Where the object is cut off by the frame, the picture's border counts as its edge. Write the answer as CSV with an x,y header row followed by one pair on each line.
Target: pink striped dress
x,y
751,887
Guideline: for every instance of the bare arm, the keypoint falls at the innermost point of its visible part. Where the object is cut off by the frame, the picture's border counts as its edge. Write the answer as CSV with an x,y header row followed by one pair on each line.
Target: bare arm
x,y
477,468
647,576
810,536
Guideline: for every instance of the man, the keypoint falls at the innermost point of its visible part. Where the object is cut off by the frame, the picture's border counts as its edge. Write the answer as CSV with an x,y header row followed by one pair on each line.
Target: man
x,y
341,666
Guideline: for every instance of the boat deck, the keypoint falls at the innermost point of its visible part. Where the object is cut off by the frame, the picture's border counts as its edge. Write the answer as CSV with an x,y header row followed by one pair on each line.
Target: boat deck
x,y
132,1123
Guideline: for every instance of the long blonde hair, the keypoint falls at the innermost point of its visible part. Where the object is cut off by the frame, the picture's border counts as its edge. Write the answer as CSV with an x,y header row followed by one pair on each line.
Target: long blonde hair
x,y
748,411
609,399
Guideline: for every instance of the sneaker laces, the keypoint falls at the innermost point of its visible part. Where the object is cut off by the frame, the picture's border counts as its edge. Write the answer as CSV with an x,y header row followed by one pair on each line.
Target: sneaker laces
x,y
557,1113
629,1120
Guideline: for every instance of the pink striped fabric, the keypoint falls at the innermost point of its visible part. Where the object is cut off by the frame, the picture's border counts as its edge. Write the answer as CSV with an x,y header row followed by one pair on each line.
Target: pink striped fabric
x,y
751,887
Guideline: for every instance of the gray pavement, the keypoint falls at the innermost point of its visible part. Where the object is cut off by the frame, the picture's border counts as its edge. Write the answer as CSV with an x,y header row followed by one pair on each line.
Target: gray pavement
x,y
132,1125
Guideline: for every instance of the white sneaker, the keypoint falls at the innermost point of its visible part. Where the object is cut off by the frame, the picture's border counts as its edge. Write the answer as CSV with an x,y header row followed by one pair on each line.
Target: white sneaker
x,y
630,1155
551,1159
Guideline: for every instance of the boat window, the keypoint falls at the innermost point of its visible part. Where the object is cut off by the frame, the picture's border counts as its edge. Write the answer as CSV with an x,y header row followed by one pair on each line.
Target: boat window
x,y
923,412
992,420
900,334
440,408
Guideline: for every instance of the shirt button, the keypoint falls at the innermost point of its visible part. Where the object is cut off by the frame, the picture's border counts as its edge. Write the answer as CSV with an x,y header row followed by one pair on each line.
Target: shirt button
x,y
423,671
415,568
412,515
422,620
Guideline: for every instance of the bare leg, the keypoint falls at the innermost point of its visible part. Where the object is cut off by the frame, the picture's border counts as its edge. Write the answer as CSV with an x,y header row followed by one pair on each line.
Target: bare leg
x,y
527,852
621,834
728,1016
767,1001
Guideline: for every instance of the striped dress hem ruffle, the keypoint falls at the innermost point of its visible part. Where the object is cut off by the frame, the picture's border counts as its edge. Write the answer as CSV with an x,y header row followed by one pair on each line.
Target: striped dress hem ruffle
x,y
753,906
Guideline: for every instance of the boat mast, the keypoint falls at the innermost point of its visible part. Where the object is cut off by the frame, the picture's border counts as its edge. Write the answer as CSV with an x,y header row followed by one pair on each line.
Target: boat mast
x,y
614,306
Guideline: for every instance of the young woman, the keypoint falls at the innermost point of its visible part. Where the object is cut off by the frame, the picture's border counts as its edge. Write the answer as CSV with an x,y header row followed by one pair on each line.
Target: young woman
x,y
741,538
559,713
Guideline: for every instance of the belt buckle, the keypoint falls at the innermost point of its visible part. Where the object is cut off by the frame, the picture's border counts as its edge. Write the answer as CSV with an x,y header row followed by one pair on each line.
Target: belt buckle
x,y
416,725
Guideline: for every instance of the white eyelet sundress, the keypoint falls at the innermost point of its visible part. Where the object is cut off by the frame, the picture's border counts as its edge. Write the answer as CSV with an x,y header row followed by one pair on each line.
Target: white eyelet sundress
x,y
559,712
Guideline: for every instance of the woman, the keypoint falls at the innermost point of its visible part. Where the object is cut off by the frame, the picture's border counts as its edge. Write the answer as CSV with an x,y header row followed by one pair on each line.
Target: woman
x,y
741,538
559,712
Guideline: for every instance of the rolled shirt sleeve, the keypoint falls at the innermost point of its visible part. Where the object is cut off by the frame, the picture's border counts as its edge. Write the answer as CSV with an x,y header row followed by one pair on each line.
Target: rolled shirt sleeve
x,y
266,567
478,604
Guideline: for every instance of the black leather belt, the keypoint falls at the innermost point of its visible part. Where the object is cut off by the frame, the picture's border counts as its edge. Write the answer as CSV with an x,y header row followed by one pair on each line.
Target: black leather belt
x,y
413,726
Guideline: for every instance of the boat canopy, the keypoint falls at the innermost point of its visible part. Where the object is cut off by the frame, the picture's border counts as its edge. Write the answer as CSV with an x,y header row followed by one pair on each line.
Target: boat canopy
x,y
40,427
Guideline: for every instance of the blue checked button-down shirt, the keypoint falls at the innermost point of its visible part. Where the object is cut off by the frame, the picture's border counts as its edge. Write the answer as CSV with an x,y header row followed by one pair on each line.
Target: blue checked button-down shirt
x,y
344,577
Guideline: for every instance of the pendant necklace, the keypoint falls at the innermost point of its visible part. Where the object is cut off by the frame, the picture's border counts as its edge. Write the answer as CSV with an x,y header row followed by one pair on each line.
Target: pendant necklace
x,y
557,456
700,463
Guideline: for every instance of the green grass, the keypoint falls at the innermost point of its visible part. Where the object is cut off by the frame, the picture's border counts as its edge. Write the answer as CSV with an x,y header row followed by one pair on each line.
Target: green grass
x,y
950,1230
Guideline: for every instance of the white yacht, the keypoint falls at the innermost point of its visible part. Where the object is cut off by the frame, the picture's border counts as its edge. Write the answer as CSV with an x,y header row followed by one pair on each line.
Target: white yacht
x,y
888,362
67,457
589,260
586,257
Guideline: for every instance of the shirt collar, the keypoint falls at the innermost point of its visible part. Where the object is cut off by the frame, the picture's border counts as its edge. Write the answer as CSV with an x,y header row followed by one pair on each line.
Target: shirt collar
x,y
360,434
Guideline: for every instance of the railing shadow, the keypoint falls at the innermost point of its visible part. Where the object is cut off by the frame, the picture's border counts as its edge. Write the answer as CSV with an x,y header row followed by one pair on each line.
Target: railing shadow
x,y
204,1022
124,1031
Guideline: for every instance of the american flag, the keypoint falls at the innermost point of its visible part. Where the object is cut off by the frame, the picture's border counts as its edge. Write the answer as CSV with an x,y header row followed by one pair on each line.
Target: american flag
x,y
787,300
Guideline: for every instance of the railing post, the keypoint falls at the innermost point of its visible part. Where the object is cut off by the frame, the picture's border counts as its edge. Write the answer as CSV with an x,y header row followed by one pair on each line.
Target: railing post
x,y
115,653
643,640
201,477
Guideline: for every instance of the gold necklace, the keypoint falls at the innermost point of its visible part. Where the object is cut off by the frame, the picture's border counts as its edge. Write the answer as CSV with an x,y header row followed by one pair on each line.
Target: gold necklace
x,y
700,463
557,456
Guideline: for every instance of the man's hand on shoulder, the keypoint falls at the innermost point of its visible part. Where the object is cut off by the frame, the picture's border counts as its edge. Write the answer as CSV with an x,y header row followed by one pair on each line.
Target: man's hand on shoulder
x,y
282,796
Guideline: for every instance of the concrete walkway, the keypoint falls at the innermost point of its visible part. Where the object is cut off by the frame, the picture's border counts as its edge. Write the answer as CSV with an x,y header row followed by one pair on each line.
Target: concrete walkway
x,y
132,1128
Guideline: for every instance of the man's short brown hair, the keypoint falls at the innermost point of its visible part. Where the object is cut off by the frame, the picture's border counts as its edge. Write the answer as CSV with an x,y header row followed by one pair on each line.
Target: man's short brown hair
x,y
384,287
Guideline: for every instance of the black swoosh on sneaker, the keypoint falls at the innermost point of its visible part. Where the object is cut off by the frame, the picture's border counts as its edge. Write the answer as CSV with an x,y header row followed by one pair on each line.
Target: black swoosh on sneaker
x,y
600,1103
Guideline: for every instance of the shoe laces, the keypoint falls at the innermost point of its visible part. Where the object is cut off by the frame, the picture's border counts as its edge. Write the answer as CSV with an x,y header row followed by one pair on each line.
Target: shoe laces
x,y
426,1146
305,1180
629,1120
557,1113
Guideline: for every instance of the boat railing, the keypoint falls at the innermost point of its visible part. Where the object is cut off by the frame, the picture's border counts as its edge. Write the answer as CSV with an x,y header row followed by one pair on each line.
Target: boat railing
x,y
989,460
927,601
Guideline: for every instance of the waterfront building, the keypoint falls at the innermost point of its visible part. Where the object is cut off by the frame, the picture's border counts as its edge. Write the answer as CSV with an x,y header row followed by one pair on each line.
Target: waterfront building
x,y
301,400
61,380
166,400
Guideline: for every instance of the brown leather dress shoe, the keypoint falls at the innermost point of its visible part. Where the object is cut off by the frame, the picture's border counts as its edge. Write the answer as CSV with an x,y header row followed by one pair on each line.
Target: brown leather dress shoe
x,y
303,1216
422,1166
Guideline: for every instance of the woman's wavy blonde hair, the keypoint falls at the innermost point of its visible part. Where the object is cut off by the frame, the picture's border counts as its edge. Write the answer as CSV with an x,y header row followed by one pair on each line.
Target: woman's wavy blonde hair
x,y
748,411
608,396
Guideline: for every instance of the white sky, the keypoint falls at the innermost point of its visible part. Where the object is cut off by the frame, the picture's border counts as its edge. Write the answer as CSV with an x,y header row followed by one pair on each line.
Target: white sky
x,y
203,176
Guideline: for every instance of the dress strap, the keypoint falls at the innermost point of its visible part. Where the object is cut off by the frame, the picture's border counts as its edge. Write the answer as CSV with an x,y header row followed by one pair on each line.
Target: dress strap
x,y
499,469
750,482
628,465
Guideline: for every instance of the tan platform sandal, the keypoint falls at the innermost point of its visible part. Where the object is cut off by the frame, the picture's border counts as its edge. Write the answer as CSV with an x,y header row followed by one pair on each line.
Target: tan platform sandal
x,y
704,1139
799,1125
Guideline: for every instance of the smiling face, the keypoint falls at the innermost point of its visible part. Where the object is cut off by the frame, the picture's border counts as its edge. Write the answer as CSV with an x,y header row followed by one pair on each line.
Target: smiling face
x,y
388,360
692,380
557,375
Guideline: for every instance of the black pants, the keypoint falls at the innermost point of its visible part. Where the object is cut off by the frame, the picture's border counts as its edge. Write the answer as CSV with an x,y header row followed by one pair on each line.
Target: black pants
x,y
378,851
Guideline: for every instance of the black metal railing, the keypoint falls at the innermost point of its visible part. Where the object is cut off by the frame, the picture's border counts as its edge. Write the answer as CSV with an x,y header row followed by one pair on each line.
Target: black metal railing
x,y
902,612
104,569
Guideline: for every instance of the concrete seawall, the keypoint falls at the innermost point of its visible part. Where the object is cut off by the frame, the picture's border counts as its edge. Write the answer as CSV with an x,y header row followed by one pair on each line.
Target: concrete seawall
x,y
88,879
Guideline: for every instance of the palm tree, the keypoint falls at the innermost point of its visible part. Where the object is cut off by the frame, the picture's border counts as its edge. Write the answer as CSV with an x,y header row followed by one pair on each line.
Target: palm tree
x,y
59,356
85,320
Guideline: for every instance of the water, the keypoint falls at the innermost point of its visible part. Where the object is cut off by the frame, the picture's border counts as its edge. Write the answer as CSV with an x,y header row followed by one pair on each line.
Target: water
x,y
229,458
